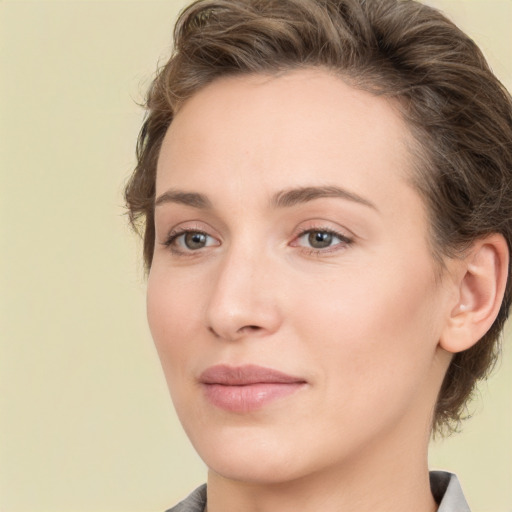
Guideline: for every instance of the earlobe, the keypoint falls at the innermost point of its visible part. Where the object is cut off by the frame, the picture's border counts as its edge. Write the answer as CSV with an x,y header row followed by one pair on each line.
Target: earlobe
x,y
481,280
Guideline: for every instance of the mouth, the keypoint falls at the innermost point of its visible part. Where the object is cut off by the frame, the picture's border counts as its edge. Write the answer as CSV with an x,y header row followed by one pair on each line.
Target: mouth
x,y
247,388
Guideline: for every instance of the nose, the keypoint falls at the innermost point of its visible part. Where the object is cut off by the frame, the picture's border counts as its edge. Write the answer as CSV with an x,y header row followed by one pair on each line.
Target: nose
x,y
243,298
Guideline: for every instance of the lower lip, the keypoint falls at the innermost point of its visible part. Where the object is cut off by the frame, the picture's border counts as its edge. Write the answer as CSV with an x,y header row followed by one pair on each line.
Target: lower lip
x,y
249,397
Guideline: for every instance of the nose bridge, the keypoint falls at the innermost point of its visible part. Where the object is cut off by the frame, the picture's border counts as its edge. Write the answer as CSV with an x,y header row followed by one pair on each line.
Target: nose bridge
x,y
242,298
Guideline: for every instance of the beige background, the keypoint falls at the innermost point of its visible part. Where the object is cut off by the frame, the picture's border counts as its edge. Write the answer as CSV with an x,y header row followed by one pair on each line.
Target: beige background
x,y
86,424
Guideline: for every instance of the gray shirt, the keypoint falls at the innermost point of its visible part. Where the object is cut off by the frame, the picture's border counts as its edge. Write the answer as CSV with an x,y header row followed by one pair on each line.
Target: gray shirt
x,y
445,489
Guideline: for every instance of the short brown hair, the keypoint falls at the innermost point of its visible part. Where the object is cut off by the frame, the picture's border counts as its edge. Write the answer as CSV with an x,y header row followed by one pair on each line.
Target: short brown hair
x,y
458,111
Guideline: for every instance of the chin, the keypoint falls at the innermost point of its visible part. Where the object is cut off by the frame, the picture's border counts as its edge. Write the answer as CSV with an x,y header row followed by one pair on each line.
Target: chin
x,y
250,456
257,470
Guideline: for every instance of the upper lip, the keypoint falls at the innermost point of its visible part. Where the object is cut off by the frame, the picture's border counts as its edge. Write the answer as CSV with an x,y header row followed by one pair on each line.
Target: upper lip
x,y
245,375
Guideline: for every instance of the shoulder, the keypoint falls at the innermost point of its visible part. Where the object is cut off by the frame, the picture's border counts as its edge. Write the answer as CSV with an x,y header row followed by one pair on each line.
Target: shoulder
x,y
447,492
195,502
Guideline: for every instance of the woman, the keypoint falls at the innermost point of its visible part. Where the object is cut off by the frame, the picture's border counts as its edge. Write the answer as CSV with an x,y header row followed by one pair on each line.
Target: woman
x,y
326,194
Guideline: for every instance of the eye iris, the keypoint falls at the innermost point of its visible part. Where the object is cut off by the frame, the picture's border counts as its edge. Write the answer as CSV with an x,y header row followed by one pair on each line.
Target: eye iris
x,y
195,240
319,239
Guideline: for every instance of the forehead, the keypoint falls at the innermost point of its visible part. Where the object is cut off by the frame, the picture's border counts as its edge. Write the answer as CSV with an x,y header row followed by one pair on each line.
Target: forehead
x,y
257,134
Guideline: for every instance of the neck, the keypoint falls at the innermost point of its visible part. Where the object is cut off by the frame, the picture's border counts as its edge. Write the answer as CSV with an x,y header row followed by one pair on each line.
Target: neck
x,y
378,480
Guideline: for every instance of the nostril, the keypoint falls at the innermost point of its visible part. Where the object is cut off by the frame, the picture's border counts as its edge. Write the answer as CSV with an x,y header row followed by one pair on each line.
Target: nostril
x,y
249,328
212,330
242,330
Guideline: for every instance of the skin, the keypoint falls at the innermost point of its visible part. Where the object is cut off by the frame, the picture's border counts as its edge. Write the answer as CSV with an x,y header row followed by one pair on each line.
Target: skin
x,y
360,320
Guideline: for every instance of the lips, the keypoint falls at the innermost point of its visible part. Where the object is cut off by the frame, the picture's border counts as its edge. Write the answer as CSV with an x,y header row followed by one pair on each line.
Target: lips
x,y
247,388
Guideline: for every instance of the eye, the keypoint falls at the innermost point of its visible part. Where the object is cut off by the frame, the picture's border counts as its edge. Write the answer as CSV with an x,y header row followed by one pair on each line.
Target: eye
x,y
189,240
321,239
194,241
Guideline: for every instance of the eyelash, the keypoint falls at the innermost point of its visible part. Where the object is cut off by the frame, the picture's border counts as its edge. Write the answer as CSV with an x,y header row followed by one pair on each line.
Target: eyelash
x,y
344,241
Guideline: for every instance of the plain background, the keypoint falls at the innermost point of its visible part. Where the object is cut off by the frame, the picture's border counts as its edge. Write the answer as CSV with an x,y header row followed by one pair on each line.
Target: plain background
x,y
85,420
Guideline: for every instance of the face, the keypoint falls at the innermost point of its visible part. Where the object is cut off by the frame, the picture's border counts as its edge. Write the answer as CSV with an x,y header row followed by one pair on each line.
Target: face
x,y
292,295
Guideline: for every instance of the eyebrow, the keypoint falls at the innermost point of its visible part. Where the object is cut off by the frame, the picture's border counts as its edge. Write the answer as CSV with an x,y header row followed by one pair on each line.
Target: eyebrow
x,y
192,199
295,196
283,199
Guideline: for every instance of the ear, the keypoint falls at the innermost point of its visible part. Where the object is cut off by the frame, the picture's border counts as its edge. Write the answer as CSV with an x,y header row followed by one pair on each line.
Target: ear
x,y
480,279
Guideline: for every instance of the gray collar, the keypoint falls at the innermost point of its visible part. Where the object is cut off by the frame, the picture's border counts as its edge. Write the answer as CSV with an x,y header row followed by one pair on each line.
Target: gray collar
x,y
448,492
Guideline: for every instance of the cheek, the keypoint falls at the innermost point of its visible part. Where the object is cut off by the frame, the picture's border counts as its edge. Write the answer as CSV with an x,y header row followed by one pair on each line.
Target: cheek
x,y
170,311
373,325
